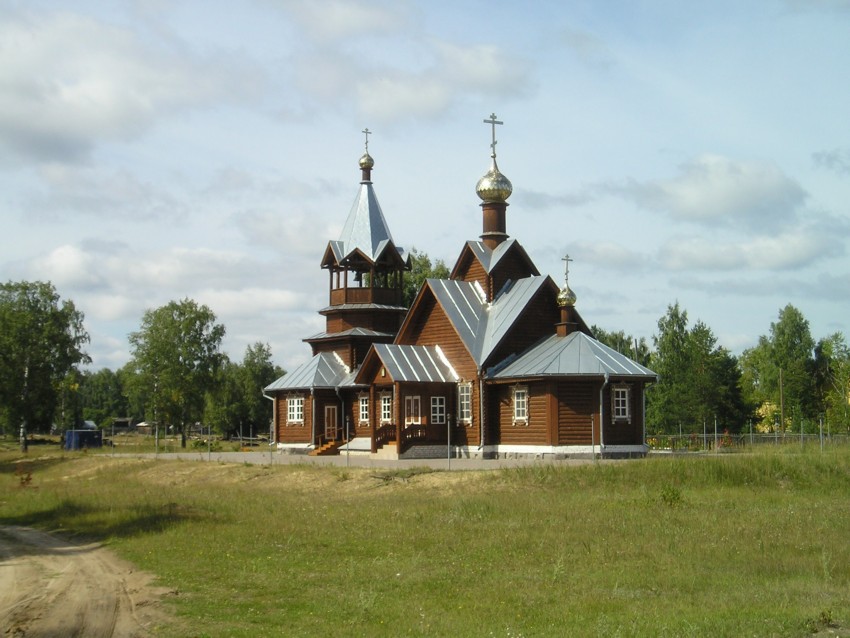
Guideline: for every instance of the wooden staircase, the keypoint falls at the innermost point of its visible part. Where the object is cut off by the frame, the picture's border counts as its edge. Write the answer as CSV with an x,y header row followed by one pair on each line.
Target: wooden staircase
x,y
331,448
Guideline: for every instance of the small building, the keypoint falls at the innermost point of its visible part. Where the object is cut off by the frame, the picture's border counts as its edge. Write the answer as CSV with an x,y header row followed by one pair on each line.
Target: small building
x,y
83,439
494,361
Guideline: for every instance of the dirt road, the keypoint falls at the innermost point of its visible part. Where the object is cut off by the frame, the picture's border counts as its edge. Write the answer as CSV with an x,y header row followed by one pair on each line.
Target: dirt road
x,y
50,588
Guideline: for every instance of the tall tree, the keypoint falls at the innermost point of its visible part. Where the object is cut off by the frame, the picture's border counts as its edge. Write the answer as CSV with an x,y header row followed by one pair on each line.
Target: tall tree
x,y
779,371
420,270
103,397
258,371
238,402
41,341
832,379
699,381
176,354
669,399
636,349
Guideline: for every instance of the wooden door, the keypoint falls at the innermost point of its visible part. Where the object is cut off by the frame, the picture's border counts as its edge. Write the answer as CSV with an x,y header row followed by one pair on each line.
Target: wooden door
x,y
330,423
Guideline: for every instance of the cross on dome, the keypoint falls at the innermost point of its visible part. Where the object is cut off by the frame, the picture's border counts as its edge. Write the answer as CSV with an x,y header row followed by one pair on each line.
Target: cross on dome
x,y
566,297
492,122
566,259
367,132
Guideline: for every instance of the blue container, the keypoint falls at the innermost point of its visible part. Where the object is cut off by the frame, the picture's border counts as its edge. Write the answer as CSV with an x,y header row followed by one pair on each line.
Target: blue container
x,y
81,439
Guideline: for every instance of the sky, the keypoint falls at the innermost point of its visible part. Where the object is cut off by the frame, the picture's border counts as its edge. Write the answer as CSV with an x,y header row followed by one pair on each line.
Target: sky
x,y
690,152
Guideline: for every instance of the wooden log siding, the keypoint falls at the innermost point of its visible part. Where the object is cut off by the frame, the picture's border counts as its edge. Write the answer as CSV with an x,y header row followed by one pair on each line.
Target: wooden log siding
x,y
512,266
622,432
339,321
577,408
536,429
473,270
294,433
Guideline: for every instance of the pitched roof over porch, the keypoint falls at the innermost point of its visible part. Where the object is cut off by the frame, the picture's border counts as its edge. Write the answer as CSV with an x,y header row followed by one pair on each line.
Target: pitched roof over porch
x,y
325,370
576,354
421,364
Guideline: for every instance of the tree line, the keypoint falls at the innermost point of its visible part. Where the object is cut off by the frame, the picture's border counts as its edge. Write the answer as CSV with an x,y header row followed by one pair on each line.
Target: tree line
x,y
787,382
177,375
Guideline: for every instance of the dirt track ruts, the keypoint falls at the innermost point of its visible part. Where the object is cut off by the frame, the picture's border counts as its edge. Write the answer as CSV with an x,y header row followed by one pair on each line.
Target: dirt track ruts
x,y
52,588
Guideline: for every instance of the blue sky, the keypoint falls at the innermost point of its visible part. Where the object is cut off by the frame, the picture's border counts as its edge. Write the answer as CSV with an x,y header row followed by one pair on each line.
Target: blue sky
x,y
696,152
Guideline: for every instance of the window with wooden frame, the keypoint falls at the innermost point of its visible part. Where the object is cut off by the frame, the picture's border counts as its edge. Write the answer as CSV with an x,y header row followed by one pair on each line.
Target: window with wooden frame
x,y
295,410
520,405
620,402
464,403
438,410
363,411
412,411
386,407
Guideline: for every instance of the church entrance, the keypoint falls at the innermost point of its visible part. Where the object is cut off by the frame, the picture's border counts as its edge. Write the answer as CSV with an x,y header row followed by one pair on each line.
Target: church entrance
x,y
330,423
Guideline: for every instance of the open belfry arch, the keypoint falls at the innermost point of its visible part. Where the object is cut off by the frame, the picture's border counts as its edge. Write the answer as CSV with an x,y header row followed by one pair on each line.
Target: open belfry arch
x,y
493,361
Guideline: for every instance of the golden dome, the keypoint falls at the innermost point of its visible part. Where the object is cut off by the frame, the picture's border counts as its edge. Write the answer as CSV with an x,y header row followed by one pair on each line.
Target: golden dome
x,y
566,297
493,186
366,161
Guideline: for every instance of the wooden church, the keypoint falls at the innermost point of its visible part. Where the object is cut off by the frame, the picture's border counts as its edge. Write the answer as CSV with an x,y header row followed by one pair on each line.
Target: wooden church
x,y
493,362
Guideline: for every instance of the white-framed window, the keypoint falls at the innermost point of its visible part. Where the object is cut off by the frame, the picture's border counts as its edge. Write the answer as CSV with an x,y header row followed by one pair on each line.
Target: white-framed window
x,y
438,410
386,407
464,403
520,406
620,401
364,410
412,411
295,410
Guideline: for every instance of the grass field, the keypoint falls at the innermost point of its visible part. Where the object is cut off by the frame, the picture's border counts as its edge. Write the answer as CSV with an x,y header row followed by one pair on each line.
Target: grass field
x,y
728,545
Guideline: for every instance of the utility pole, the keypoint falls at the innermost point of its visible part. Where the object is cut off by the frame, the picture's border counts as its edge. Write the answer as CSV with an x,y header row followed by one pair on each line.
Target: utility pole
x,y
781,403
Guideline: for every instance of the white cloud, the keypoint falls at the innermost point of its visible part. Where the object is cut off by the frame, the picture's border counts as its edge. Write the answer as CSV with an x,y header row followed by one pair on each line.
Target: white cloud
x,y
607,254
796,248
97,192
68,82
334,20
711,189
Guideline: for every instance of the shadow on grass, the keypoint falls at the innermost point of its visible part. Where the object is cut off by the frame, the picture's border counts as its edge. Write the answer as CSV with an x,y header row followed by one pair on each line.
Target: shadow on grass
x,y
21,465
89,523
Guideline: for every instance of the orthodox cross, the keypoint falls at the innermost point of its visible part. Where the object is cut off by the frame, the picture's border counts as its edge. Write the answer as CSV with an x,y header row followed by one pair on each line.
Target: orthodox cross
x,y
566,259
367,133
492,122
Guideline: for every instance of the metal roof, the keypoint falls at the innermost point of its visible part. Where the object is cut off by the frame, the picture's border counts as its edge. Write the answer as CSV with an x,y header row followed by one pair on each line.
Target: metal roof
x,y
365,228
361,306
576,354
464,305
325,370
351,332
506,308
482,326
415,363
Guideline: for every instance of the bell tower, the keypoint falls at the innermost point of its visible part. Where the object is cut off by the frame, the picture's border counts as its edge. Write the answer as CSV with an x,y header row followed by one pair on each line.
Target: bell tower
x,y
366,278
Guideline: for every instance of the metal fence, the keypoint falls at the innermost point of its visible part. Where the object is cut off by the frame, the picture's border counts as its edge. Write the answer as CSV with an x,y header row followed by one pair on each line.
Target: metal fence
x,y
710,441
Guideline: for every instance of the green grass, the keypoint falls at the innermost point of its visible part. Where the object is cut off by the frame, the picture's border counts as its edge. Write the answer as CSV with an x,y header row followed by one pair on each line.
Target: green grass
x,y
729,545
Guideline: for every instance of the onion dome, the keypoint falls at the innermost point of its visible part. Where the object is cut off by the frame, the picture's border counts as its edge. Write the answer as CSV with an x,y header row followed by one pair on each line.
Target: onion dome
x,y
493,186
366,161
566,297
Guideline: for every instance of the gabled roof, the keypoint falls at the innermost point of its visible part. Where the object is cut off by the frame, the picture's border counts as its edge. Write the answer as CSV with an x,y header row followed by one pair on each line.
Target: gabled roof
x,y
482,326
489,259
577,354
325,370
423,364
365,230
